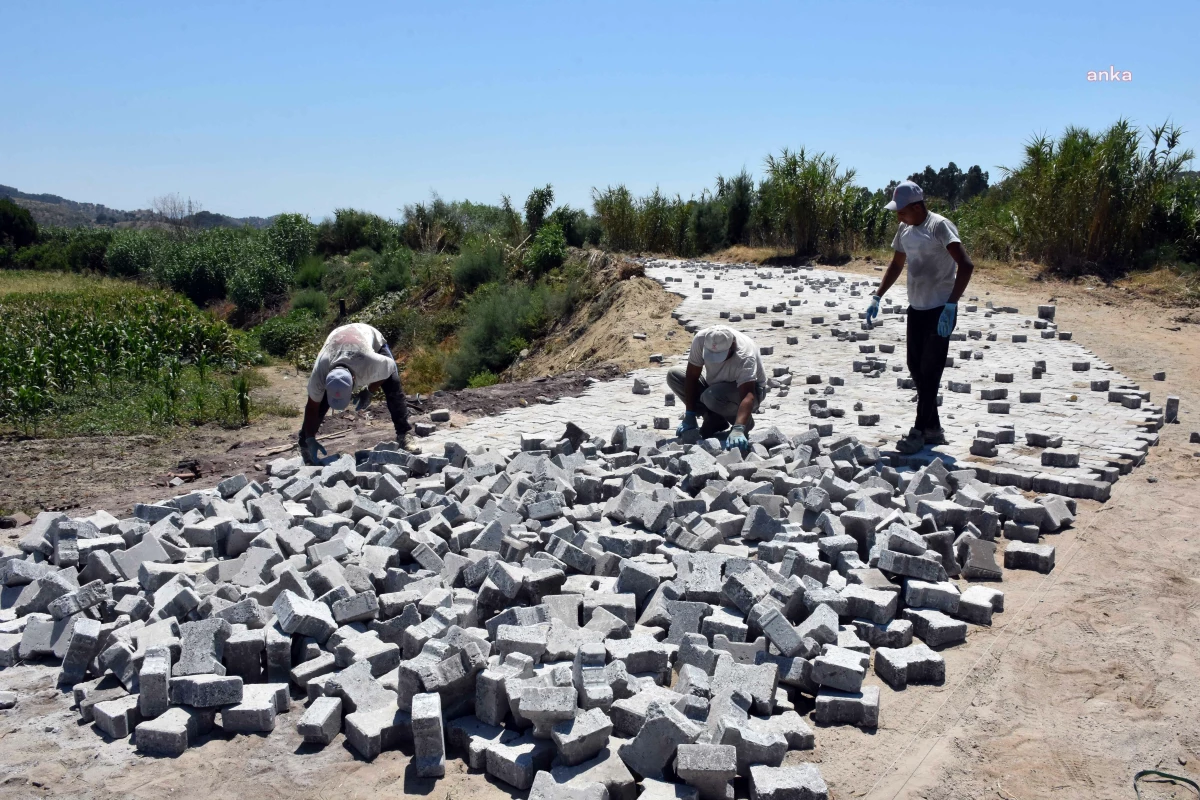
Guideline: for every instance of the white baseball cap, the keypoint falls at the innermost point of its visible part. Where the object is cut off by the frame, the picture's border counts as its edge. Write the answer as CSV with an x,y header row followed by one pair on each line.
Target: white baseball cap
x,y
717,342
339,387
906,192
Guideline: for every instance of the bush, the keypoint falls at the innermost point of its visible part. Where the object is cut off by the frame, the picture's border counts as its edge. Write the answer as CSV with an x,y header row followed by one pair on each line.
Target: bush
x,y
311,300
548,251
133,253
499,322
17,227
577,226
291,238
310,272
391,270
481,379
350,230
256,274
282,335
481,263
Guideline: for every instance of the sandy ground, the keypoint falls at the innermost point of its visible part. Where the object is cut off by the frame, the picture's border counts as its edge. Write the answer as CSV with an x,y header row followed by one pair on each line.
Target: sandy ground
x,y
1089,675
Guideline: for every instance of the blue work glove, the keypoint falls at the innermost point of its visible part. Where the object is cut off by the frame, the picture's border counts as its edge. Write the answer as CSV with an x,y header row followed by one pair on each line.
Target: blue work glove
x,y
689,423
737,438
948,319
873,309
364,400
309,450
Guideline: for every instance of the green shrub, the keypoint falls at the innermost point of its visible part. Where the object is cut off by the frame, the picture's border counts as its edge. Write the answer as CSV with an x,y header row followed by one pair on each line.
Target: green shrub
x,y
17,227
362,255
310,272
133,253
350,230
282,335
256,275
548,251
391,270
478,264
481,379
291,238
311,300
499,322
578,228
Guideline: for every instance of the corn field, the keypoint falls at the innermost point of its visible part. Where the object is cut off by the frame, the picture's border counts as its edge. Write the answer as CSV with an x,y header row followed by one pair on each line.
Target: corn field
x,y
55,345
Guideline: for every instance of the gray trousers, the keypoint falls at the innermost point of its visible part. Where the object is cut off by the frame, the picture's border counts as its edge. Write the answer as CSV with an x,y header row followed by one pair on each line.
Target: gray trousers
x,y
721,399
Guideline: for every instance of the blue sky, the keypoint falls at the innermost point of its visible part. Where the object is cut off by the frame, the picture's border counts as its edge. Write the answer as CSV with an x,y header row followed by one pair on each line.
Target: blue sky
x,y
257,108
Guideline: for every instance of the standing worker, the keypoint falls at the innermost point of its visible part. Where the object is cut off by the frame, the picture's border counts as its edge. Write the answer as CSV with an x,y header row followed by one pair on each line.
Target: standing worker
x,y
354,361
728,392
938,273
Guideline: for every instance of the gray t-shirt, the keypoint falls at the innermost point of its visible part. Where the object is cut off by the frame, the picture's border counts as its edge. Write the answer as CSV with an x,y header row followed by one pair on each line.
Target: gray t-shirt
x,y
931,268
744,366
356,347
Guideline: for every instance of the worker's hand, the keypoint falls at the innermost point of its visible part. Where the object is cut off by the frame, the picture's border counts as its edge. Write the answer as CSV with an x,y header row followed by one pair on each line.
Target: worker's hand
x,y
737,438
948,319
689,423
311,451
363,400
873,309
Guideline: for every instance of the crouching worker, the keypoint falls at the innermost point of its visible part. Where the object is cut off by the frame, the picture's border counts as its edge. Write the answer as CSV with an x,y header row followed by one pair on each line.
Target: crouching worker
x,y
354,361
724,383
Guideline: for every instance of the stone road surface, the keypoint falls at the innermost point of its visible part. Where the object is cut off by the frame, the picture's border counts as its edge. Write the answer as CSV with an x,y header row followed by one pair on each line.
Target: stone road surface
x,y
833,357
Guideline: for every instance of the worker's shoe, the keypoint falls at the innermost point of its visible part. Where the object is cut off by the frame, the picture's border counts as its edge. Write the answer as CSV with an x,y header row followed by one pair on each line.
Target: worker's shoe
x,y
935,437
913,443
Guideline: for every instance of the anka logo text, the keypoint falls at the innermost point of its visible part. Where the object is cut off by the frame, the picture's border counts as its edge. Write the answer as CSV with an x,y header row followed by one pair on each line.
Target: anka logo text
x,y
1110,74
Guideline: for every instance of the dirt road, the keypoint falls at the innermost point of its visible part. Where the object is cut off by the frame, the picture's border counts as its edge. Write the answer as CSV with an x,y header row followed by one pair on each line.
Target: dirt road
x,y
1090,674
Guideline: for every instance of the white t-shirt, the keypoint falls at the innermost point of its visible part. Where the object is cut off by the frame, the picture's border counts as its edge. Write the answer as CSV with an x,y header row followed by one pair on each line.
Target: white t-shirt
x,y
356,347
931,268
744,366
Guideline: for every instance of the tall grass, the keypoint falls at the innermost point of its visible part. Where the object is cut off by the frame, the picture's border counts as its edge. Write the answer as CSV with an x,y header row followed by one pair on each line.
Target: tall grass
x,y
1087,201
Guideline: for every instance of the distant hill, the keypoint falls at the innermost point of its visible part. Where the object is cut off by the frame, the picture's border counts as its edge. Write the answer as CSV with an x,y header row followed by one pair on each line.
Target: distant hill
x,y
50,209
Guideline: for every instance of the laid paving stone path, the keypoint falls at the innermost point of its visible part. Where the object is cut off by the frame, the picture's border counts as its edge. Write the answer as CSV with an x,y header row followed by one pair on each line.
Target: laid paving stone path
x,y
810,323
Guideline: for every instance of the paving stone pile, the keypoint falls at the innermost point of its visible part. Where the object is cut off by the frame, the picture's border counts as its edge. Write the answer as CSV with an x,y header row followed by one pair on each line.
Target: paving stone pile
x,y
576,617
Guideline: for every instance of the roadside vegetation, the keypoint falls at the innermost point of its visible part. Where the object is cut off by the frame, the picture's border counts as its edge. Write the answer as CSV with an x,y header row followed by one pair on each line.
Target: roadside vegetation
x,y
85,355
460,289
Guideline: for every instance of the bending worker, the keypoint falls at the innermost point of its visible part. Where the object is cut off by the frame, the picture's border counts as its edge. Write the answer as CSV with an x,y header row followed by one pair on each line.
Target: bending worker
x,y
724,382
354,361
938,273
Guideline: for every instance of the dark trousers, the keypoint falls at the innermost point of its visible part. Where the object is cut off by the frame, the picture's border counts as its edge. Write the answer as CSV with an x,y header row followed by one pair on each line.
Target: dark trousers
x,y
397,406
926,361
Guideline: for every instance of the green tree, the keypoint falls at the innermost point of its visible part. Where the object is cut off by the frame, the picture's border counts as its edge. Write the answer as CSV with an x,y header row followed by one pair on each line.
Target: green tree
x,y
536,205
17,227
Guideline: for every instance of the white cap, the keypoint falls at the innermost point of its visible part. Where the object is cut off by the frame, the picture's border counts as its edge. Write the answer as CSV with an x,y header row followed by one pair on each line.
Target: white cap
x,y
717,342
339,387
906,192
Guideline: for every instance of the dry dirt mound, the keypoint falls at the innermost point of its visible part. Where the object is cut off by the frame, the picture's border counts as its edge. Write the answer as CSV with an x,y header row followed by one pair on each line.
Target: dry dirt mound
x,y
601,332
